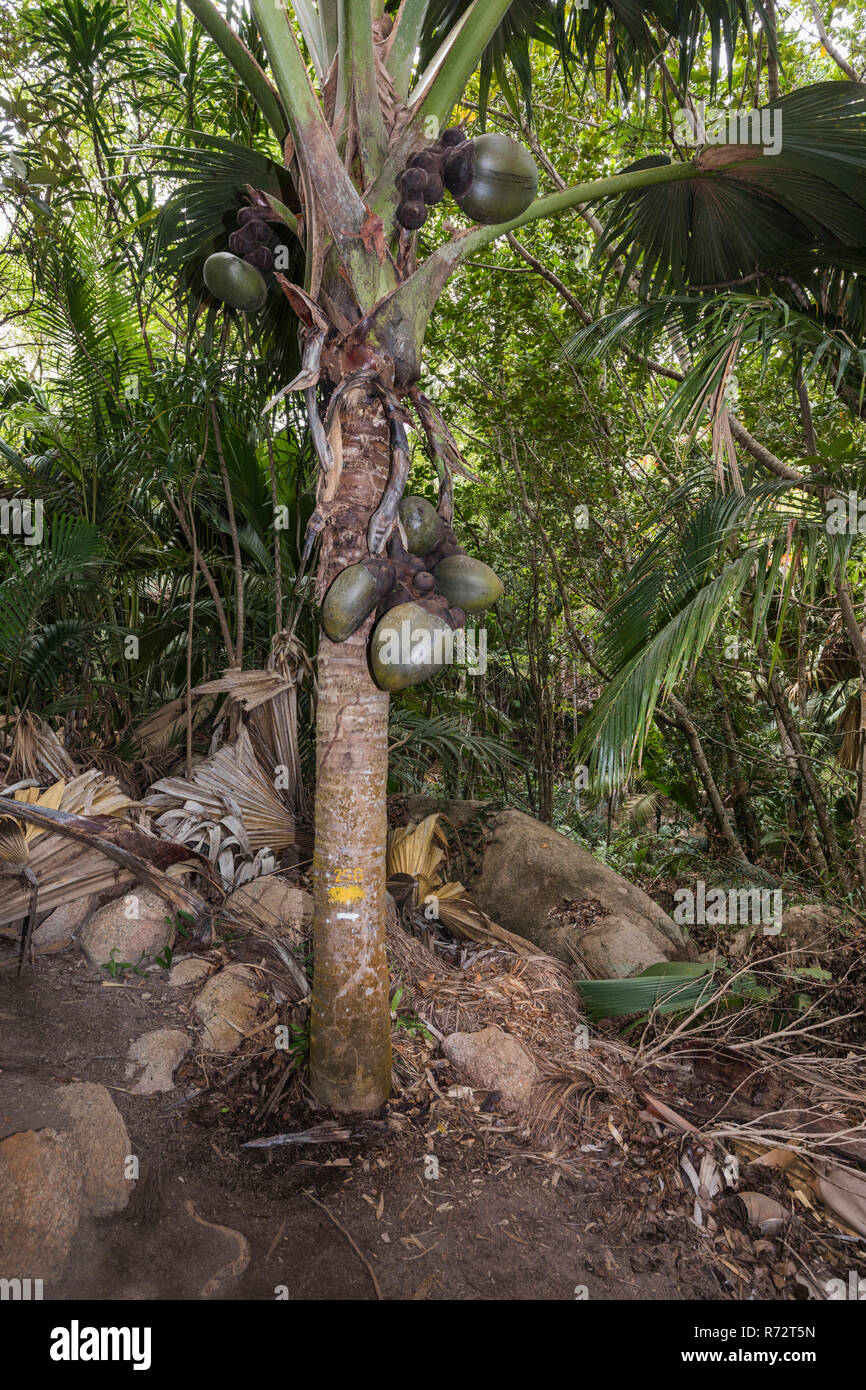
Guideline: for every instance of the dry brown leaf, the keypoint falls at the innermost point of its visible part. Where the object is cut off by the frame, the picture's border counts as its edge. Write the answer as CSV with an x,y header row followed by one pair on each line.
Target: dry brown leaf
x,y
843,1190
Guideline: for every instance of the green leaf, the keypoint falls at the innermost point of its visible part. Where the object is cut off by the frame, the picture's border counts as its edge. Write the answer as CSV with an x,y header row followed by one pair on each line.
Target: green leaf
x,y
618,998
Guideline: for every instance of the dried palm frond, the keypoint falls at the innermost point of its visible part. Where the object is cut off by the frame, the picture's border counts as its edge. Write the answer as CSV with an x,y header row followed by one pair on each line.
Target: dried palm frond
x,y
837,661
269,701
419,851
70,850
464,919
249,688
13,844
227,809
159,730
31,751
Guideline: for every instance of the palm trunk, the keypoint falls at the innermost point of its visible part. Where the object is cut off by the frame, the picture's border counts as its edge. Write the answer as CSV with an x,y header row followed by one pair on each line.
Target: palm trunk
x,y
350,1033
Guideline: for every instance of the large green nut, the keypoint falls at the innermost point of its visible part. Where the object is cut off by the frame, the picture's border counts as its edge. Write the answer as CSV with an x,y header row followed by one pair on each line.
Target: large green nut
x,y
350,599
504,179
422,524
235,282
409,645
467,583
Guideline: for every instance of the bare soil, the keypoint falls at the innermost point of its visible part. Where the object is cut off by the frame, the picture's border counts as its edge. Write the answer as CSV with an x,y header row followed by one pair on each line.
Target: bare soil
x,y
356,1219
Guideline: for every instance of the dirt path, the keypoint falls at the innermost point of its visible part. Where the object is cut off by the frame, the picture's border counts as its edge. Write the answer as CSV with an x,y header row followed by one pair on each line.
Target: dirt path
x,y
212,1220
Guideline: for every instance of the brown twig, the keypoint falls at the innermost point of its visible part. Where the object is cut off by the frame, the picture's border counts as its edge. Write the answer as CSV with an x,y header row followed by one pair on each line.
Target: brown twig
x,y
340,1227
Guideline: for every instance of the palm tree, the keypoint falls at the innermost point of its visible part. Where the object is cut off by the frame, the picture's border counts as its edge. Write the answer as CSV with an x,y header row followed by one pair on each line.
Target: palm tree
x,y
351,98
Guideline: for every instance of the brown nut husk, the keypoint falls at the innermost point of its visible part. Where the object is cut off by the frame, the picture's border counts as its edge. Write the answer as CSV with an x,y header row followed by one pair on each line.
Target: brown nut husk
x,y
454,135
412,184
435,191
457,170
262,257
428,160
241,242
467,583
412,216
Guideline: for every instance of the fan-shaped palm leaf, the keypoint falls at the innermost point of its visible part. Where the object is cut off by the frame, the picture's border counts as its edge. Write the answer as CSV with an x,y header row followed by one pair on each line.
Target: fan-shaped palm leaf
x,y
747,214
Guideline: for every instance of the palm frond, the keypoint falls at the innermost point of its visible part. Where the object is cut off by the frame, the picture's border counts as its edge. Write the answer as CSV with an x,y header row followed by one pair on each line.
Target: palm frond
x,y
418,740
748,216
197,219
679,592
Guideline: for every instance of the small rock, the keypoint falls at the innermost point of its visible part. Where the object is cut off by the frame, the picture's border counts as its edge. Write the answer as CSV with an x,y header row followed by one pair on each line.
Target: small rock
x,y
811,924
190,971
273,902
227,1008
494,1061
40,1188
59,928
741,938
99,1144
160,1053
138,925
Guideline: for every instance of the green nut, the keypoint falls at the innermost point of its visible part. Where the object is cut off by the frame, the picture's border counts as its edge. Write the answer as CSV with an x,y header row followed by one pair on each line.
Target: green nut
x,y
467,583
422,524
235,282
350,599
408,645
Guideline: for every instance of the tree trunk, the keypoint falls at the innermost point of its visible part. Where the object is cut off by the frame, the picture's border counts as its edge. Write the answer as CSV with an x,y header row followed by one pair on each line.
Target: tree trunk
x,y
739,793
813,786
350,1031
729,835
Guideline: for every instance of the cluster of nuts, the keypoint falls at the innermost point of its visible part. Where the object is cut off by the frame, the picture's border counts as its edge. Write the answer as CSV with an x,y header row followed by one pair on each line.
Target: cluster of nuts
x,y
248,242
424,182
414,581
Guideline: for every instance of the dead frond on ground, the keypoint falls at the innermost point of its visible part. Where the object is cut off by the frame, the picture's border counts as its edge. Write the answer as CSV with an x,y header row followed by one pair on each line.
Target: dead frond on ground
x,y
30,750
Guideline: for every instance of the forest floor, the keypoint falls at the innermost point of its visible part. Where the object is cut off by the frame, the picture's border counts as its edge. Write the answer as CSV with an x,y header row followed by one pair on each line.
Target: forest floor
x,y
354,1219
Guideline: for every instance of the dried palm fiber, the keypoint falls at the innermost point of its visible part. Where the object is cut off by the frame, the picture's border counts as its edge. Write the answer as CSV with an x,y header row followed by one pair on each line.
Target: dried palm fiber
x,y
165,725
418,852
228,794
848,725
269,701
837,661
31,750
532,998
67,869
533,993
